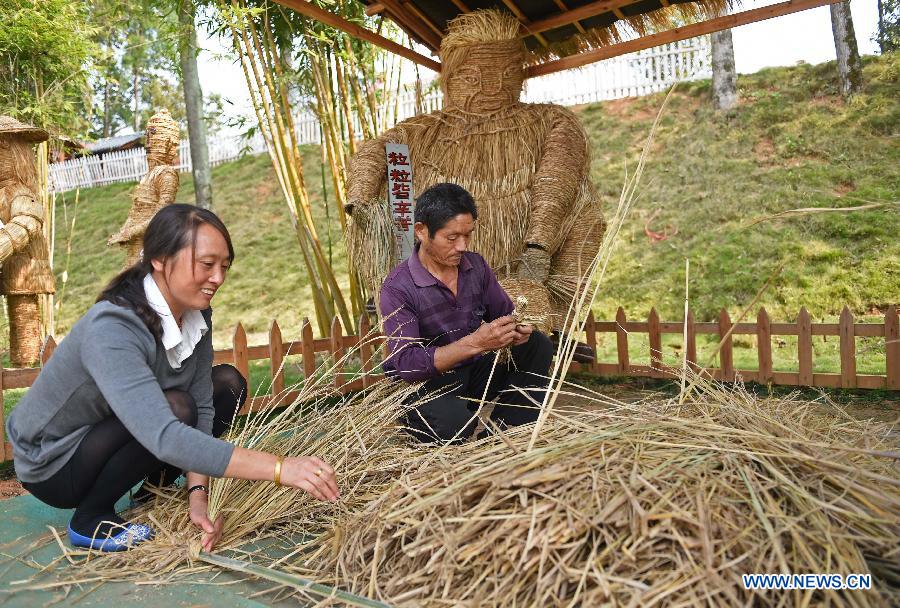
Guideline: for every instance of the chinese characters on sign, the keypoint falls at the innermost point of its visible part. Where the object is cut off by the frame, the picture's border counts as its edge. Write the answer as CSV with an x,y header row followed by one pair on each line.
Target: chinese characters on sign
x,y
400,197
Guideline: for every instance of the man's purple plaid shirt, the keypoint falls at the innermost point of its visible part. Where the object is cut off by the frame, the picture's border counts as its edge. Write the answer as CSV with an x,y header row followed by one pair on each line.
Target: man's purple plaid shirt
x,y
421,313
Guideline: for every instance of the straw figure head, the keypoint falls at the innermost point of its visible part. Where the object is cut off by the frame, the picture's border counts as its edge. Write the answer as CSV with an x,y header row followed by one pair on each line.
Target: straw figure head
x,y
163,137
16,155
483,62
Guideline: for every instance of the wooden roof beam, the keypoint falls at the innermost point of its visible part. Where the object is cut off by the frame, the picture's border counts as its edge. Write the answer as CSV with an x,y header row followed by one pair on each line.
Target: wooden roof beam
x,y
411,23
562,6
524,20
680,33
573,16
374,9
357,31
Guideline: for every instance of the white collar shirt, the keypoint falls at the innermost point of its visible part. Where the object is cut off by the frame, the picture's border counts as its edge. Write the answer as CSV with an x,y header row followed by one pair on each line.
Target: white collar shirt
x,y
179,342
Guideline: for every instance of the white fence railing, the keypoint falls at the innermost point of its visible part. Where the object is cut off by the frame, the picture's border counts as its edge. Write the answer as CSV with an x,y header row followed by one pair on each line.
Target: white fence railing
x,y
636,74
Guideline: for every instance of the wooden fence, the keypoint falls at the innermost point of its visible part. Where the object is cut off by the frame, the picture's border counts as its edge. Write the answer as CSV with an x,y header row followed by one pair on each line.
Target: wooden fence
x,y
276,349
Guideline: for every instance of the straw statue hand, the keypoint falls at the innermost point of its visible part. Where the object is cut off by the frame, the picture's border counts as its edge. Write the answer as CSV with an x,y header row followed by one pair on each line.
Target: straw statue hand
x,y
312,475
535,265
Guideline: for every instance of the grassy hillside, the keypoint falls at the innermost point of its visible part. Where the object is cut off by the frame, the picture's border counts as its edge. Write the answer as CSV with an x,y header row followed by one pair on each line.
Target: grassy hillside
x,y
792,143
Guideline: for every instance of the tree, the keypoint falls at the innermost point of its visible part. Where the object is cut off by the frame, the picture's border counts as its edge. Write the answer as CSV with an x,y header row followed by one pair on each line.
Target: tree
x,y
724,77
888,34
193,102
45,48
848,63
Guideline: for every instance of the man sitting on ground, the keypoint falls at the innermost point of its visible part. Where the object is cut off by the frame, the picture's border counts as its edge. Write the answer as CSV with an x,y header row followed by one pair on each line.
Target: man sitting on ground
x,y
446,316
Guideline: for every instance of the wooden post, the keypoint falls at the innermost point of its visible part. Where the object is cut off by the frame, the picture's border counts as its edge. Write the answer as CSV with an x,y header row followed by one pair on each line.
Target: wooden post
x,y
590,330
655,344
337,351
764,346
276,357
804,348
892,347
239,348
622,342
726,352
848,349
308,350
47,350
365,350
691,342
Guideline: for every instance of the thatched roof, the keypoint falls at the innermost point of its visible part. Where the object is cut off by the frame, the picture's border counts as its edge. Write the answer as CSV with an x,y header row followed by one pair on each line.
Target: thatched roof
x,y
552,28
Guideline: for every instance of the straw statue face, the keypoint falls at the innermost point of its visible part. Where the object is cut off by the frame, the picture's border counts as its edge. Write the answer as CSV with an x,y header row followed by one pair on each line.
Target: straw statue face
x,y
163,137
17,162
489,78
483,61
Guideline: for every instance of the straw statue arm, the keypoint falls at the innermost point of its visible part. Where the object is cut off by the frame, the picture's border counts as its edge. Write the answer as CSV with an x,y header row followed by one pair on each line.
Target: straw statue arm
x,y
167,186
560,173
26,223
368,172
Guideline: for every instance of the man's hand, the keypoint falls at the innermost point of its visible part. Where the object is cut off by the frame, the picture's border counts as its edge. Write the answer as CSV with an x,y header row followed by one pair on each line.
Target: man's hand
x,y
212,532
523,334
495,335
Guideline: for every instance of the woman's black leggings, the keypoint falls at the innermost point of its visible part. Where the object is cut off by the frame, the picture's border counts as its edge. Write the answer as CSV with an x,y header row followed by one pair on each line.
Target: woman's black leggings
x,y
109,461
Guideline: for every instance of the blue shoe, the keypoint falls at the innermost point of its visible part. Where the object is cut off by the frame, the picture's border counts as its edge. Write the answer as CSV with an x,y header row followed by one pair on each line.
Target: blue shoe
x,y
130,536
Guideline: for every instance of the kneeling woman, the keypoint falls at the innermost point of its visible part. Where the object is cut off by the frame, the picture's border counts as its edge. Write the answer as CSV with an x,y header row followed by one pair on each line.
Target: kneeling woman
x,y
131,394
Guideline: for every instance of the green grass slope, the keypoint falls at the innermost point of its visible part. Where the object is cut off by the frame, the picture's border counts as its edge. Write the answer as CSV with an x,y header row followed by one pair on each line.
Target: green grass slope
x,y
792,143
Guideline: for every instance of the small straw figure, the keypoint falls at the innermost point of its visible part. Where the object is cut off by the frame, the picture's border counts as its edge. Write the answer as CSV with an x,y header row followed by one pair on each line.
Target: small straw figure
x,y
526,165
156,190
24,253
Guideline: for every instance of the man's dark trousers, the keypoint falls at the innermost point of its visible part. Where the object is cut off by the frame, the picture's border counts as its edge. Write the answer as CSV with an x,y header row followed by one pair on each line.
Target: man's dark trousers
x,y
451,414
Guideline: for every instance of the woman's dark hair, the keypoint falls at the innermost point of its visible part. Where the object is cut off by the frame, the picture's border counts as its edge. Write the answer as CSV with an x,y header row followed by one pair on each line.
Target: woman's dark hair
x,y
173,228
441,203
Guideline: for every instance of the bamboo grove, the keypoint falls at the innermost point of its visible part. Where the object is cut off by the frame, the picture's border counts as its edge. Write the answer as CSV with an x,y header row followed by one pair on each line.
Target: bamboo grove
x,y
289,62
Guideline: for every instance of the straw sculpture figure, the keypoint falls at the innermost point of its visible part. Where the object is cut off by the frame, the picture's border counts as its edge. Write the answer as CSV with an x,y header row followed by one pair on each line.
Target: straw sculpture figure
x,y
526,165
24,253
156,189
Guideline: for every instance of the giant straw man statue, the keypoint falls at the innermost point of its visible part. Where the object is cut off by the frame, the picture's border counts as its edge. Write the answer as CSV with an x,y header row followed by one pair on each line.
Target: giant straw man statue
x,y
156,190
24,254
527,166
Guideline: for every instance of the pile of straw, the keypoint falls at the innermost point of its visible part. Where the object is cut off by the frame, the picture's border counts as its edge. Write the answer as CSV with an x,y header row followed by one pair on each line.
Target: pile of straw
x,y
633,505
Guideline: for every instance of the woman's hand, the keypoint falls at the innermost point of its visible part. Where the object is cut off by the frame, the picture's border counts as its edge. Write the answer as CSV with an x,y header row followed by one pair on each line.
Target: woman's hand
x,y
212,532
311,475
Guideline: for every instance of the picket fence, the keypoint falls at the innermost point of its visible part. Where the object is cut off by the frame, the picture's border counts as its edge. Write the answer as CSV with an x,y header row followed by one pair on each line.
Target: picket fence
x,y
337,344
641,73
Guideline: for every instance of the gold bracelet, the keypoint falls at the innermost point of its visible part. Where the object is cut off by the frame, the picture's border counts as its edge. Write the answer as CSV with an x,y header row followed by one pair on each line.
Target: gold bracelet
x,y
277,476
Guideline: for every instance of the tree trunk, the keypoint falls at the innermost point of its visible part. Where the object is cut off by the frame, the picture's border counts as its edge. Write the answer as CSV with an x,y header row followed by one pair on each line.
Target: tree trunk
x,y
724,77
193,104
849,66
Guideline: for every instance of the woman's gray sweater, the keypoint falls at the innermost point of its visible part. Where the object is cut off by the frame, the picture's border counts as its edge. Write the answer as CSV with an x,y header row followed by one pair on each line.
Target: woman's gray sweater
x,y
111,365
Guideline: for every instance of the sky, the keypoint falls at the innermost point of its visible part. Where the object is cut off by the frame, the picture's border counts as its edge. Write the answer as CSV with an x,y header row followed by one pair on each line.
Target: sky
x,y
782,41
